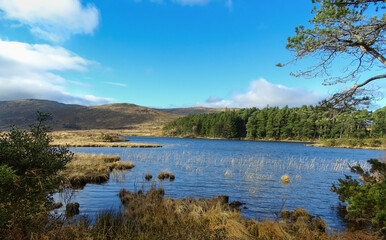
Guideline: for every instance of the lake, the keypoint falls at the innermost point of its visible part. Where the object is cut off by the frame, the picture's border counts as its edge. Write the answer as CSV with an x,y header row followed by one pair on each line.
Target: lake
x,y
246,171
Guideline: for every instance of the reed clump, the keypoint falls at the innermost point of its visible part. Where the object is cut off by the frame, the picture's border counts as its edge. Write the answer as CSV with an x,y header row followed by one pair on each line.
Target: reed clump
x,y
148,176
172,177
92,168
166,175
300,223
161,176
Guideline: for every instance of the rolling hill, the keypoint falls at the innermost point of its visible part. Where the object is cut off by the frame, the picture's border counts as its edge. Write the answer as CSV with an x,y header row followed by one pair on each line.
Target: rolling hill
x,y
23,113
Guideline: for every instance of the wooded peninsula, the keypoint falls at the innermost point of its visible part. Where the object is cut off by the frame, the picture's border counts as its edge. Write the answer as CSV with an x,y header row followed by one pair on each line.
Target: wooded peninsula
x,y
332,127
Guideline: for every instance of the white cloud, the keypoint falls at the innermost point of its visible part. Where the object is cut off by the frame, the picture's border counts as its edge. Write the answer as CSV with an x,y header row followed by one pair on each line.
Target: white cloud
x,y
94,100
52,20
27,71
262,93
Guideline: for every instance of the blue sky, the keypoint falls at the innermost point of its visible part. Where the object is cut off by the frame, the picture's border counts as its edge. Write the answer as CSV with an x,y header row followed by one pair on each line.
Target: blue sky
x,y
155,53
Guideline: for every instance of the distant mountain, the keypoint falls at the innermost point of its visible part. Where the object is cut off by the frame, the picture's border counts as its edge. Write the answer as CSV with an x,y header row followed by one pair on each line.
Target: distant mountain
x,y
23,113
193,110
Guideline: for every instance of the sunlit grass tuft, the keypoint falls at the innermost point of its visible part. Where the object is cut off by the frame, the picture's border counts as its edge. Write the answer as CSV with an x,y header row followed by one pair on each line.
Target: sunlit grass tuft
x,y
285,179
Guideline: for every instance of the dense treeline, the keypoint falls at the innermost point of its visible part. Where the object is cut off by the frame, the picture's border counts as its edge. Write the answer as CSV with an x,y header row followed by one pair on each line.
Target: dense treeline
x,y
306,122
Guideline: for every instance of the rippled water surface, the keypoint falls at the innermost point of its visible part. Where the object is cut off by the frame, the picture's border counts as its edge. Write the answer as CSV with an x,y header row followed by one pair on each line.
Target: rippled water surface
x,y
247,171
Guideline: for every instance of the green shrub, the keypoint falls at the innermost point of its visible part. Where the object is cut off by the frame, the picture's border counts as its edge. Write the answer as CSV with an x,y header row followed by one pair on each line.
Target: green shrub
x,y
365,198
28,174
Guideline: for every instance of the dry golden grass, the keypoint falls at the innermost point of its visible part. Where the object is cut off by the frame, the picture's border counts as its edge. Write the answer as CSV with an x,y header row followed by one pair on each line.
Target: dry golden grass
x,y
367,143
92,168
157,217
95,138
270,230
151,216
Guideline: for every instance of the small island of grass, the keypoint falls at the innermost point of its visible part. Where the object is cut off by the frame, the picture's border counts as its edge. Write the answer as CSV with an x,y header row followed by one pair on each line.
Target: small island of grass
x,y
94,138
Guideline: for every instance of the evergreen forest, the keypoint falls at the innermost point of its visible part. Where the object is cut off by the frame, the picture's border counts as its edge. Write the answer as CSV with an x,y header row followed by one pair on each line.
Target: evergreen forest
x,y
274,123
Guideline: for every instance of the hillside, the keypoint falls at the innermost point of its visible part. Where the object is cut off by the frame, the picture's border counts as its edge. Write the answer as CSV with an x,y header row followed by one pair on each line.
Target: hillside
x,y
22,113
194,110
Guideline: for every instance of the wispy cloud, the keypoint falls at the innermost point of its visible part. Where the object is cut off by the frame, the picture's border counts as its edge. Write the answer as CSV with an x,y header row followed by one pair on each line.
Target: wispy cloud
x,y
27,71
262,93
116,84
52,20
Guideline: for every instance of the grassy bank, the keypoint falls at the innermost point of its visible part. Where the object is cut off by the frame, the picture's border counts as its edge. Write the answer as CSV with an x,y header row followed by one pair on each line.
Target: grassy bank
x,y
152,216
95,138
367,143
92,168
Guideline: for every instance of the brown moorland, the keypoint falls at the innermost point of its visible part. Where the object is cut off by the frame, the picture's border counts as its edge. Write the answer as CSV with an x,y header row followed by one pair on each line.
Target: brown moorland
x,y
22,113
118,116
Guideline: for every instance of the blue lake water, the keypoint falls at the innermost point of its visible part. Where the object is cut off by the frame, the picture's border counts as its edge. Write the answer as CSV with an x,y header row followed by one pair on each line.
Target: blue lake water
x,y
246,171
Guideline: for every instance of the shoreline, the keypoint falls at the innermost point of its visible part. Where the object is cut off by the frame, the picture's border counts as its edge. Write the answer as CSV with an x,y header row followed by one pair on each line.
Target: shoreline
x,y
348,147
96,138
308,143
111,145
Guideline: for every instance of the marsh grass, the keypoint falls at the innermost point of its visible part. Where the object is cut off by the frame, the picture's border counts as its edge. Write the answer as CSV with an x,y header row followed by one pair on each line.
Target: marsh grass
x,y
95,138
159,218
148,176
166,175
92,168
172,177
255,177
248,168
215,223
152,216
366,143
